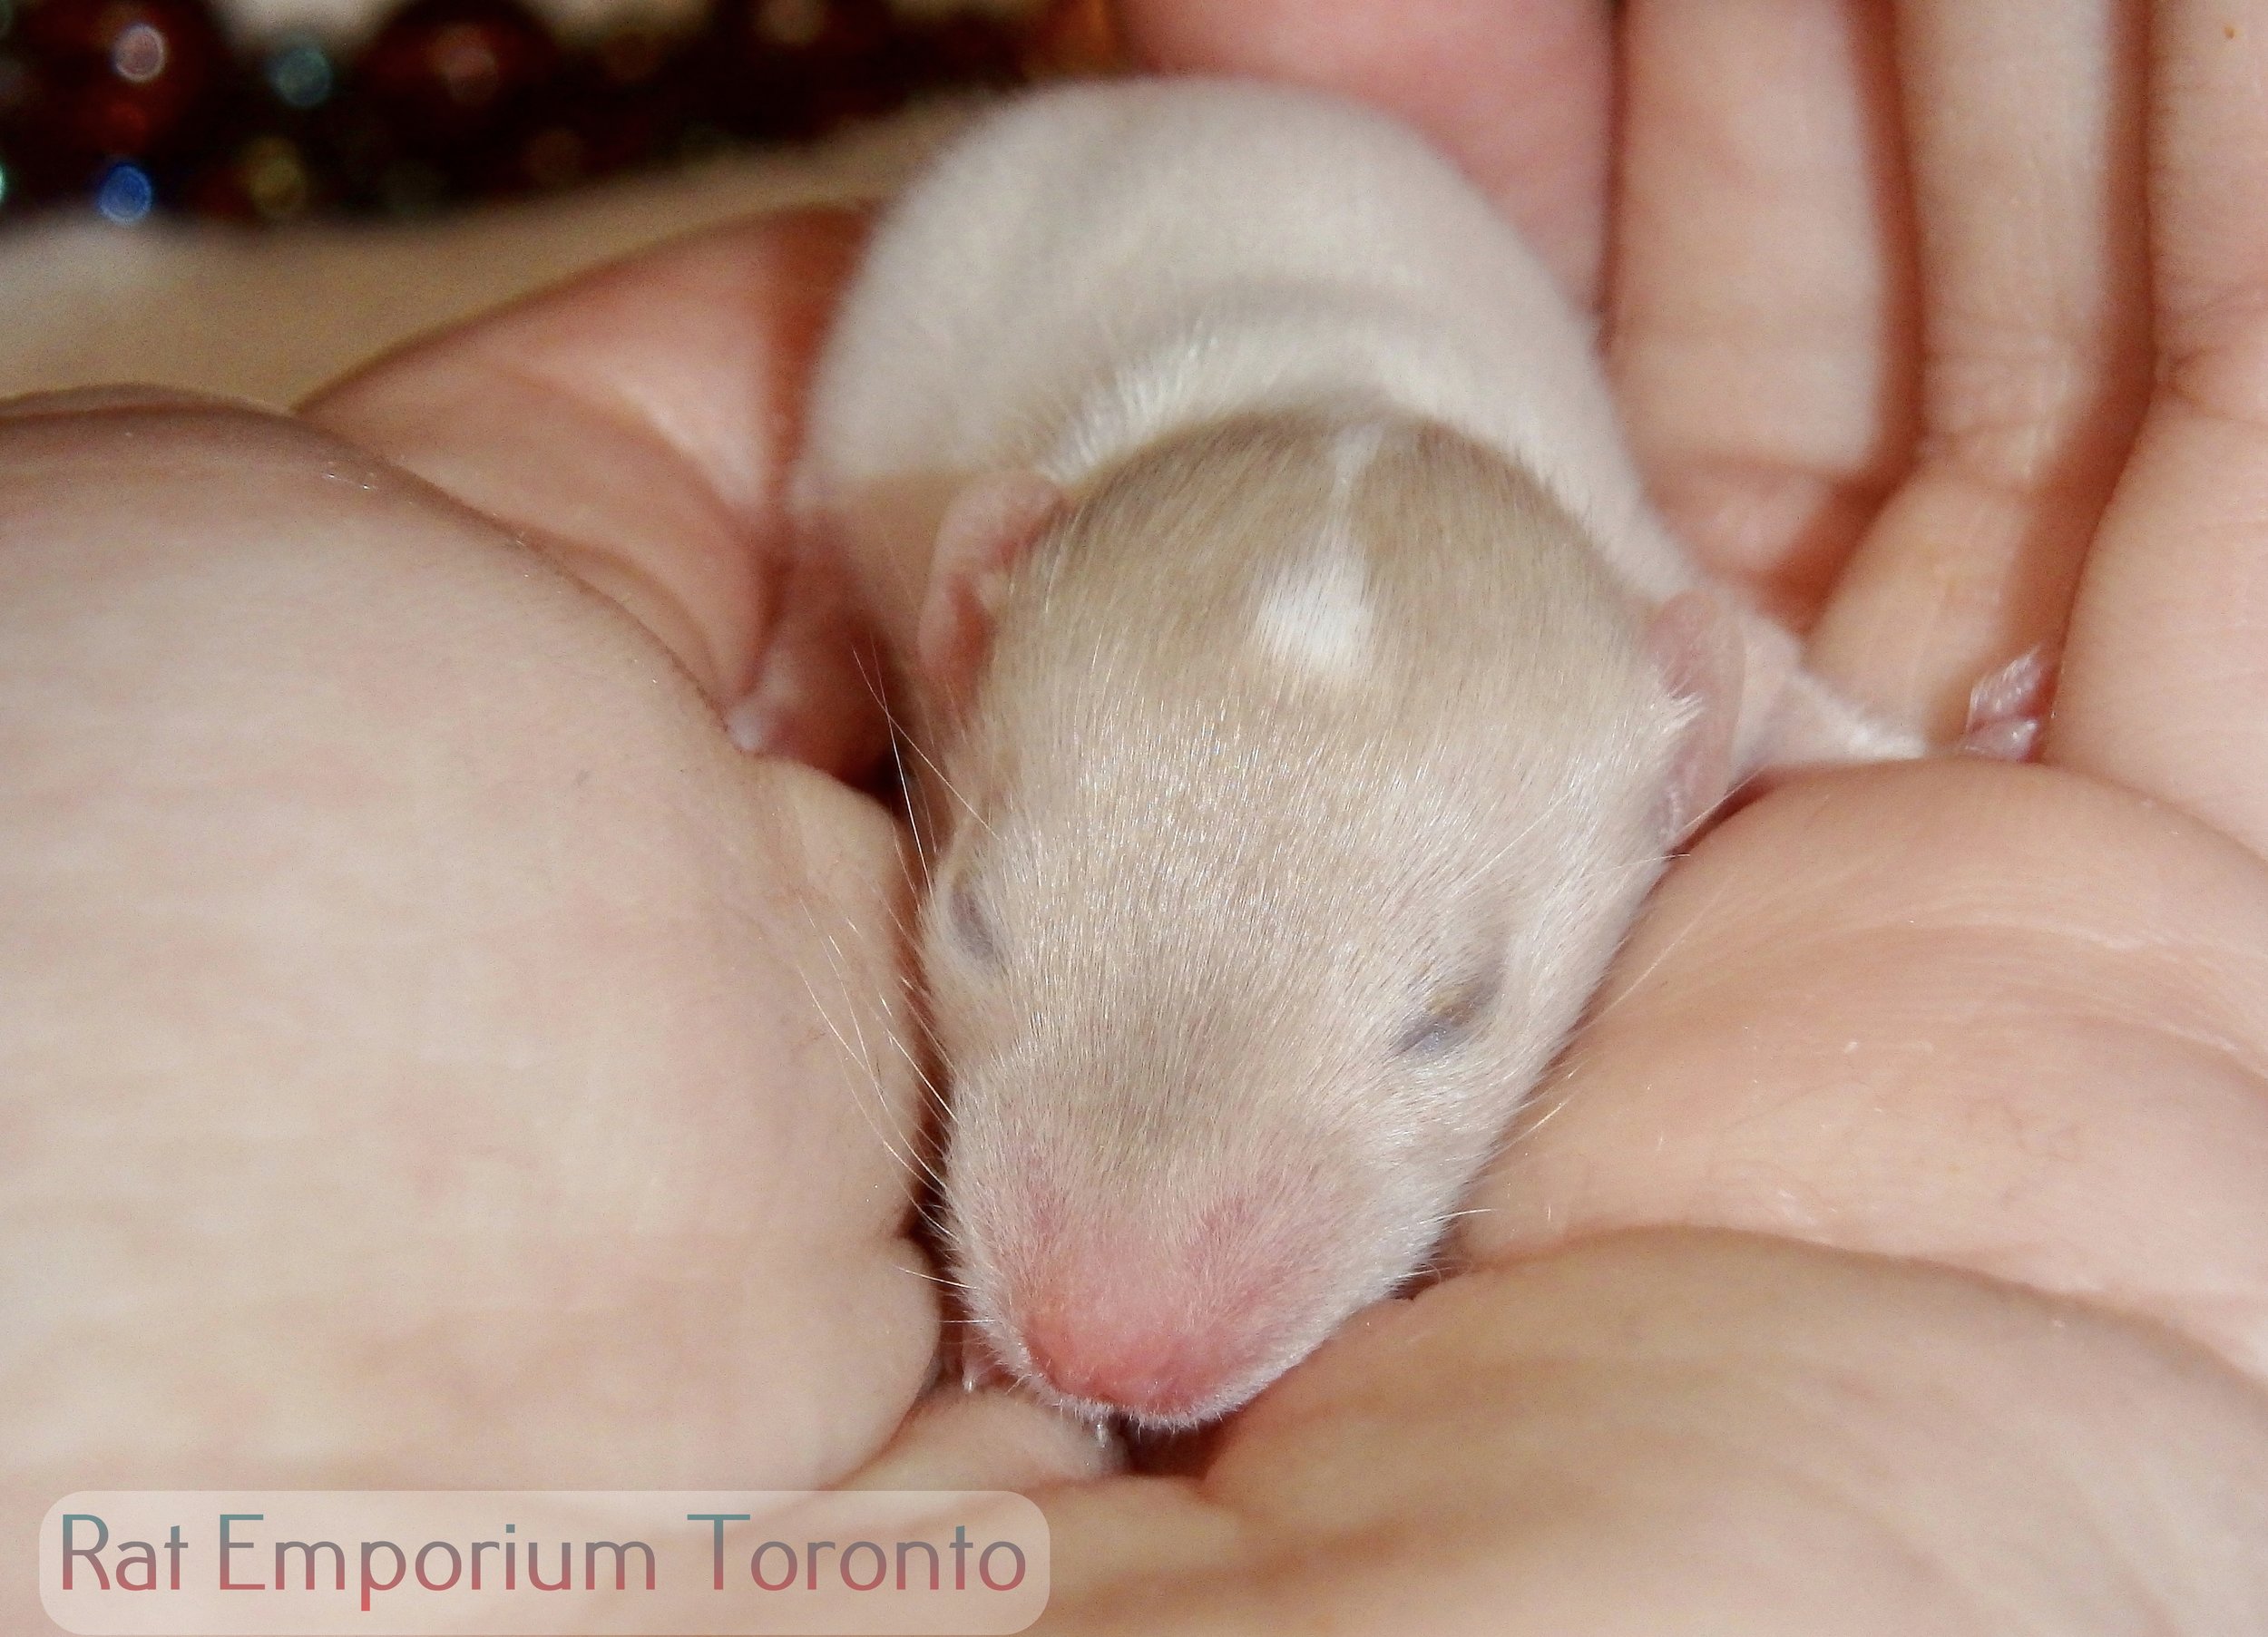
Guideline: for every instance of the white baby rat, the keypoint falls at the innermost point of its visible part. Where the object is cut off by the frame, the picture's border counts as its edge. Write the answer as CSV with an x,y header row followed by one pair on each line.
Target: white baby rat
x,y
1312,698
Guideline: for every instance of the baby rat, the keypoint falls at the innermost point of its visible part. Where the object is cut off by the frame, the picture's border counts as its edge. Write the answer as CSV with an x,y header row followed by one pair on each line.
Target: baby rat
x,y
1310,695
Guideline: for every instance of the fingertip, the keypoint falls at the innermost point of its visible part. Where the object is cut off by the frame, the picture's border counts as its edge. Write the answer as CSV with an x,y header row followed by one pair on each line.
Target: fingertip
x,y
990,1439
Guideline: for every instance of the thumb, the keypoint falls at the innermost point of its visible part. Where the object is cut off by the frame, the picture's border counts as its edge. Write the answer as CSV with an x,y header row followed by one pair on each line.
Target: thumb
x,y
636,425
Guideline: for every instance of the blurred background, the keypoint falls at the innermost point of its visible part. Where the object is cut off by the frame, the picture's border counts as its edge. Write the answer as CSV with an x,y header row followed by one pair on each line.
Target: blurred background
x,y
248,196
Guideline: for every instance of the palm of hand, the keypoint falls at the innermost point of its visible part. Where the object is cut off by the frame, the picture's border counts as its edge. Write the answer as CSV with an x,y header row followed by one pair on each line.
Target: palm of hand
x,y
2006,1022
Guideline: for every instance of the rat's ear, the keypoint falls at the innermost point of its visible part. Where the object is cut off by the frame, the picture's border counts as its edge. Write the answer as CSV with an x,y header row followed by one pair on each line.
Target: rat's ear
x,y
1696,643
986,530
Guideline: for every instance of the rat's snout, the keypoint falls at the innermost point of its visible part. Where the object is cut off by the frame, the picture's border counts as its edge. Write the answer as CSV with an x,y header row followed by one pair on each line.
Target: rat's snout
x,y
1114,1314
1137,1344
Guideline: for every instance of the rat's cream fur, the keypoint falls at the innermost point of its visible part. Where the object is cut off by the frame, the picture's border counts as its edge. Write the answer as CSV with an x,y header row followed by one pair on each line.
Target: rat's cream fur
x,y
1320,759
1217,891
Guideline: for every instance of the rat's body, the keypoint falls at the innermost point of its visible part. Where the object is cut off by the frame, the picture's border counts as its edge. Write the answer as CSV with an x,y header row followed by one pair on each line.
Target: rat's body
x,y
1307,766
1099,266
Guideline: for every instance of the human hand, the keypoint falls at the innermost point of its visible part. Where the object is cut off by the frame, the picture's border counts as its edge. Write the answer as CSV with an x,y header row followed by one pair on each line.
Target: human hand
x,y
1634,1430
1988,1039
435,1056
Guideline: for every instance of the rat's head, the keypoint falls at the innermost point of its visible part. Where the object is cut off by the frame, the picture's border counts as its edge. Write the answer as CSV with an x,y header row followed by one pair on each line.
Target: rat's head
x,y
1301,776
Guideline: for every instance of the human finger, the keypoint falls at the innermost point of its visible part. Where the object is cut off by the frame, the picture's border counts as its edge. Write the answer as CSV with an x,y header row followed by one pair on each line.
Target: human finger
x,y
2167,671
636,425
988,1439
1663,1431
2024,136
1760,324
432,1055
2004,1018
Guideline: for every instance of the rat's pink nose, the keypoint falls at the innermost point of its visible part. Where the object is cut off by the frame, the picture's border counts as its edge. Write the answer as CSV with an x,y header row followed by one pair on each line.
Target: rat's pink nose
x,y
1141,1356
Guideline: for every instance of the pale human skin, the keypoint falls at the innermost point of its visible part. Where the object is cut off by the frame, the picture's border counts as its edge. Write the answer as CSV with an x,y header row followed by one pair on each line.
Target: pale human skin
x,y
418,1020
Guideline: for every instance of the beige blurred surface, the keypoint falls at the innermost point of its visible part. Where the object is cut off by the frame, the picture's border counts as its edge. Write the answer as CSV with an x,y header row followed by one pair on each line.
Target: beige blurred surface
x,y
272,315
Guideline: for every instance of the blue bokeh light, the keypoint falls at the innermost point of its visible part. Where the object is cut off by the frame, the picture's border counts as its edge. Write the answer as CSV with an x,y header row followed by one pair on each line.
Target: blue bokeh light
x,y
125,193
300,73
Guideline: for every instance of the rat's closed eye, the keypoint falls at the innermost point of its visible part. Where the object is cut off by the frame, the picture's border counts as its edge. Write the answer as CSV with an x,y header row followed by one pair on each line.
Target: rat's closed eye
x,y
970,921
1453,1013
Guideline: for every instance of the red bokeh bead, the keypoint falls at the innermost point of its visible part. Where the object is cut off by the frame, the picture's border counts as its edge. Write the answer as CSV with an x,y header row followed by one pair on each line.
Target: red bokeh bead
x,y
450,71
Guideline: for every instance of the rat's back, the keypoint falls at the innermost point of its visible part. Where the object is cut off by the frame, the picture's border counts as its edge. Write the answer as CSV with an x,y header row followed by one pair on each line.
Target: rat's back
x,y
1096,266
